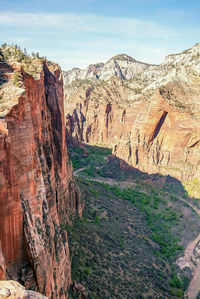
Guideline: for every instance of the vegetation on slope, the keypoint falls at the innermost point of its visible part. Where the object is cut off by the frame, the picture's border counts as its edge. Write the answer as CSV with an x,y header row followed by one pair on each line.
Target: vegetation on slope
x,y
130,236
14,61
14,54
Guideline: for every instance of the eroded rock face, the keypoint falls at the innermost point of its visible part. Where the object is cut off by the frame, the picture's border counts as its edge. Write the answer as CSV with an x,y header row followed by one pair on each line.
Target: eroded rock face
x,y
152,122
37,191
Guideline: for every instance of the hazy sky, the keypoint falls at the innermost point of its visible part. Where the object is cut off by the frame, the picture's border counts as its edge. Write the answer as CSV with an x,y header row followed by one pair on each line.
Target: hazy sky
x,y
76,33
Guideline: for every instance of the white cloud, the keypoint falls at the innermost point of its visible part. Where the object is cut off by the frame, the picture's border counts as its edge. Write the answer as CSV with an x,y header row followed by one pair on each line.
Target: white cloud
x,y
85,23
76,40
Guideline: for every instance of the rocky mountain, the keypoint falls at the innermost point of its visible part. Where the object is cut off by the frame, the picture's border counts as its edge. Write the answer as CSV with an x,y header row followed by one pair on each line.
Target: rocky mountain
x,y
37,190
121,66
151,121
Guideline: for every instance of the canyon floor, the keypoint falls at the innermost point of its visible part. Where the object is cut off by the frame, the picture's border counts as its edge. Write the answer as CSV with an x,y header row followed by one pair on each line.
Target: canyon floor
x,y
134,228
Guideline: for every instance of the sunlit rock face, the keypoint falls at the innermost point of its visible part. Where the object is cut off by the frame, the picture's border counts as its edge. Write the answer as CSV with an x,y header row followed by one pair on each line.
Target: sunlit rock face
x,y
10,289
121,66
37,191
151,121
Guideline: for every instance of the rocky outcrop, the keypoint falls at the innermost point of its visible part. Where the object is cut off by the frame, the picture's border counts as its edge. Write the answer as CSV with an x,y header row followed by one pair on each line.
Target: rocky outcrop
x,y
37,191
151,122
121,66
10,289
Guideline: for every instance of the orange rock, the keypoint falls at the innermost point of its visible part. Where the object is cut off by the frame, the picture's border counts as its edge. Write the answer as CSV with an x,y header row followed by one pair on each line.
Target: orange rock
x,y
37,191
156,134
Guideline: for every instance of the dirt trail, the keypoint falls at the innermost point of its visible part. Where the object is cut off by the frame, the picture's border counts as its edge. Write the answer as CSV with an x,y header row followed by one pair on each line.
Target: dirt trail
x,y
127,184
109,181
189,259
79,170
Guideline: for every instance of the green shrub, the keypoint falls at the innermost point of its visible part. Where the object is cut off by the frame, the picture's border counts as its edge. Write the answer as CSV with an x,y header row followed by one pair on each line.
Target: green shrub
x,y
97,220
176,282
87,271
16,79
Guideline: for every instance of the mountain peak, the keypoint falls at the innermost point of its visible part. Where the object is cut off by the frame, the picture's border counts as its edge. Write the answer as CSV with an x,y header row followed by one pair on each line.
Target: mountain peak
x,y
121,66
123,57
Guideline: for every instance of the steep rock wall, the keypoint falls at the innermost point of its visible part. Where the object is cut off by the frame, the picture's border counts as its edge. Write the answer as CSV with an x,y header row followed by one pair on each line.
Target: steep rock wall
x,y
154,133
37,191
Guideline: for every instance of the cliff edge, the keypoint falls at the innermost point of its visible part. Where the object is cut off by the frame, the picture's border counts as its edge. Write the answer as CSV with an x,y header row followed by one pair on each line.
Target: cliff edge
x,y
37,190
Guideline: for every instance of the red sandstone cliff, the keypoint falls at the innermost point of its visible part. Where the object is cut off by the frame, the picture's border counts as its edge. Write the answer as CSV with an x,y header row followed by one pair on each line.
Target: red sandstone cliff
x,y
37,191
151,121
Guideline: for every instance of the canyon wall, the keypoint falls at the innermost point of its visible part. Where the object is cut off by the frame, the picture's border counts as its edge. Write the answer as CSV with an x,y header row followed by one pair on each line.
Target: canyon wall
x,y
37,191
152,121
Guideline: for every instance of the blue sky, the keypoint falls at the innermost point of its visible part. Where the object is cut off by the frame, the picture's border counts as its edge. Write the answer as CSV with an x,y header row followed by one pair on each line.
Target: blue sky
x,y
77,33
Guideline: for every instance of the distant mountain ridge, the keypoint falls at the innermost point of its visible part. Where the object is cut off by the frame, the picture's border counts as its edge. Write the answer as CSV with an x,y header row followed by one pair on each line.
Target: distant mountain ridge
x,y
151,121
121,66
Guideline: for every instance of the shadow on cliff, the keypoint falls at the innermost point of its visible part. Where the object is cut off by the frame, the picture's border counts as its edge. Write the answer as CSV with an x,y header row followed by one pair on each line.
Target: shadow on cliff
x,y
99,162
